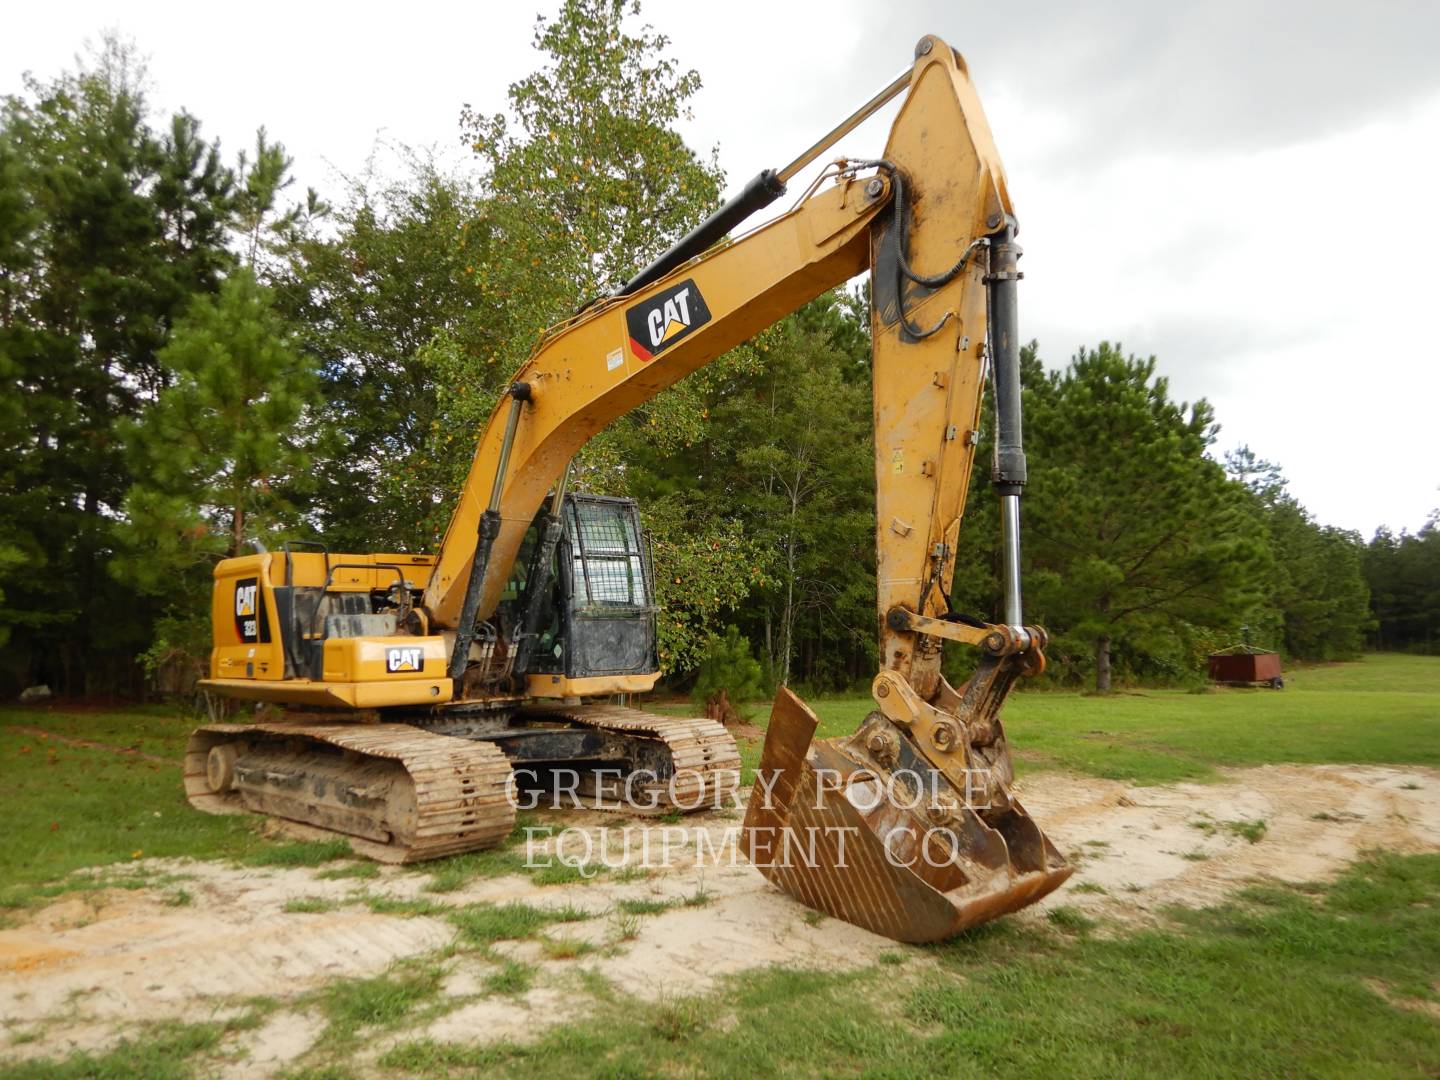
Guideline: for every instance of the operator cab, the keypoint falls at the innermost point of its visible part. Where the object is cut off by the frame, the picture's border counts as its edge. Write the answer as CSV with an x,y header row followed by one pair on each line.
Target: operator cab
x,y
597,619
601,596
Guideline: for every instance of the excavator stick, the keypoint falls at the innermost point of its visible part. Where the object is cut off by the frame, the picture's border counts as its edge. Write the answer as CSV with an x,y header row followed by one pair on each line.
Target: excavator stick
x,y
909,827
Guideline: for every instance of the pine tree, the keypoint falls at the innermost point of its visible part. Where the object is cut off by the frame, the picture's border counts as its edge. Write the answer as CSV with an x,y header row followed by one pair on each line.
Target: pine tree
x,y
1134,535
221,444
106,231
214,457
1317,603
1403,573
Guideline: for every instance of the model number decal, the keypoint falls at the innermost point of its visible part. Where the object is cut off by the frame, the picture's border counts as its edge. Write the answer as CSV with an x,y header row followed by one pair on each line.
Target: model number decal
x,y
251,625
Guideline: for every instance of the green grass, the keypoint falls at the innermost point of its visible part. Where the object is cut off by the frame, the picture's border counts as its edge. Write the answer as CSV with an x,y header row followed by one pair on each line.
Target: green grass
x,y
430,1058
454,873
677,1018
483,924
361,871
308,905
644,907
319,1072
67,808
1070,920
564,873
389,905
513,979
1253,831
1281,982
71,807
351,1004
301,853
1382,709
164,1050
157,730
700,897
448,875
625,924
565,948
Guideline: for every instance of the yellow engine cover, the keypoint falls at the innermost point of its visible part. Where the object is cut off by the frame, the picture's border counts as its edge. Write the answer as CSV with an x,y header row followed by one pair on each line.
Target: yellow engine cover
x,y
381,659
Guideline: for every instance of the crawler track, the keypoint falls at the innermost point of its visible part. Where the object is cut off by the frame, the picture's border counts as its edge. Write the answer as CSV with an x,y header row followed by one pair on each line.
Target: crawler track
x,y
705,761
396,792
401,793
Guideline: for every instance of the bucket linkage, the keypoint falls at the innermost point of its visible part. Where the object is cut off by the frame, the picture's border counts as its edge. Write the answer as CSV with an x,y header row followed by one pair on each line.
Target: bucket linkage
x,y
908,827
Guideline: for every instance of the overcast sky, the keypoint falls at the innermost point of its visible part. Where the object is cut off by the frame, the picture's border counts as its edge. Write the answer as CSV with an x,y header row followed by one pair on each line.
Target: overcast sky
x,y
1247,191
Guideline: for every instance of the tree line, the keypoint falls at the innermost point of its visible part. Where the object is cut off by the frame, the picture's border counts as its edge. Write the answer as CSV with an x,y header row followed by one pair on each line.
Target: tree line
x,y
197,354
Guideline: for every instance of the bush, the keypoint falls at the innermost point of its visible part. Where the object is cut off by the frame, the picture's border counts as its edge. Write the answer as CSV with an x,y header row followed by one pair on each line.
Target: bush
x,y
729,666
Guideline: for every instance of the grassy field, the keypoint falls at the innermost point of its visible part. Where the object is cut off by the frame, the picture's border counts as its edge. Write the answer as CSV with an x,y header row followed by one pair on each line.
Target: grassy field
x,y
1279,983
70,806
1384,709
1313,981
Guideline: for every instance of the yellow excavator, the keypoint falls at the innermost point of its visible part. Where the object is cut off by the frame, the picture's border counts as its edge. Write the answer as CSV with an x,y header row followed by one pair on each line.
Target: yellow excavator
x,y
423,695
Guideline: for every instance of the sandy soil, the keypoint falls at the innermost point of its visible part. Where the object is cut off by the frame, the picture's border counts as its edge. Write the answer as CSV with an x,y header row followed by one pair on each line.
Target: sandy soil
x,y
81,971
1133,842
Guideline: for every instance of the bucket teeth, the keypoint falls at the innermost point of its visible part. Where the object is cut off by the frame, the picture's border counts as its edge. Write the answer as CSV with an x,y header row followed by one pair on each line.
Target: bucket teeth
x,y
893,847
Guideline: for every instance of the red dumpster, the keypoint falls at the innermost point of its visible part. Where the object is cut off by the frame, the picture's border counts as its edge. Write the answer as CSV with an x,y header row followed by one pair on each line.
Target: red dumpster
x,y
1244,666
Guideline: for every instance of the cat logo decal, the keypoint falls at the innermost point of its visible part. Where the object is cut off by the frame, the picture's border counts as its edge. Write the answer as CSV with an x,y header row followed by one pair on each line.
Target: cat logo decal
x,y
665,318
405,658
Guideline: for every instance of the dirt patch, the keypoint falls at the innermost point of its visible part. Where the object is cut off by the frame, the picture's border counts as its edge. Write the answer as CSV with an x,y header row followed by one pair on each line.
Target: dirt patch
x,y
271,1047
1424,1006
129,955
505,1019
85,966
743,729
1191,844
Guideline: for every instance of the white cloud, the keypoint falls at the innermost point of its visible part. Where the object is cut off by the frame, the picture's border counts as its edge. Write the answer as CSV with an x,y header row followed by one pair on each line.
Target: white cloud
x,y
1291,287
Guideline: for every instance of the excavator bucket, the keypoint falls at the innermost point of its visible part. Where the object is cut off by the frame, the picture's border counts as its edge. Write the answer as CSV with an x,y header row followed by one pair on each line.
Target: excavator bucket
x,y
865,829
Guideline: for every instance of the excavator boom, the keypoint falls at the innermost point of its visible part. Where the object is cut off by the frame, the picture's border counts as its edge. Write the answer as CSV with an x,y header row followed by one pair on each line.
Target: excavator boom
x,y
908,827
933,222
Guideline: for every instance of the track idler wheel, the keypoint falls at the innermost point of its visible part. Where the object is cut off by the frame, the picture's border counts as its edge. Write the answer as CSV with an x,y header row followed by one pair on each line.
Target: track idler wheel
x,y
220,768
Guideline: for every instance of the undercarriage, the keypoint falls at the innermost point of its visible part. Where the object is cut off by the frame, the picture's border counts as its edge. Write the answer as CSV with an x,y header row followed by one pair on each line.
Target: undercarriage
x,y
441,785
